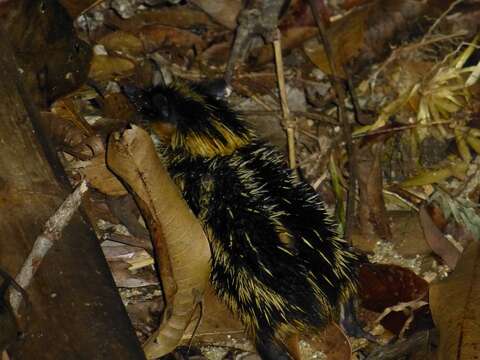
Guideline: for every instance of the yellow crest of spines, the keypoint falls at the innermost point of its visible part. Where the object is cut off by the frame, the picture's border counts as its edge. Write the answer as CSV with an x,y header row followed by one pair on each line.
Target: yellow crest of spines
x,y
204,145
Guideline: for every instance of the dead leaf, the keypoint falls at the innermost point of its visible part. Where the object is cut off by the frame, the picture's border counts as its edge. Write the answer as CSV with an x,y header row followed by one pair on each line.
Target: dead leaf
x,y
291,39
408,238
54,61
109,67
69,130
61,132
388,22
217,325
299,14
122,42
333,342
99,177
126,211
455,304
155,37
217,54
437,240
182,248
346,36
183,17
372,211
383,285
224,12
68,110
117,106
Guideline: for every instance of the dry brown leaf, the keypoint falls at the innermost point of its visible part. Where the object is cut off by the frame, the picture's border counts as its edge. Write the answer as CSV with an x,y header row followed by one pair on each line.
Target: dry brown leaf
x,y
122,42
408,238
109,67
182,248
291,39
388,288
183,17
117,106
68,110
383,285
218,324
126,211
217,54
155,37
346,36
99,177
62,132
296,27
437,240
299,14
224,12
69,130
333,342
455,304
372,211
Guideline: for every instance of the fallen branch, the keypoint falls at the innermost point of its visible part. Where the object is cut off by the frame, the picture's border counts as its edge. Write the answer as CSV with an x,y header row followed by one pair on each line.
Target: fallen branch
x,y
52,233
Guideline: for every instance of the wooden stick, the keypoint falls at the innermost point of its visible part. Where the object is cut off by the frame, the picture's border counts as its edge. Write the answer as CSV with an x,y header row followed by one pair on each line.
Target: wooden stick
x,y
52,233
288,121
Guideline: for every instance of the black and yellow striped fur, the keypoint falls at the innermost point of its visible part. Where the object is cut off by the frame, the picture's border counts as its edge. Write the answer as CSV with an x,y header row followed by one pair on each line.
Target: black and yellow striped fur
x,y
277,262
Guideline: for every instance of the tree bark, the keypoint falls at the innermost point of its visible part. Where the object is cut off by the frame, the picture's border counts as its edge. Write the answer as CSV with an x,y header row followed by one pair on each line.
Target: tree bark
x,y
76,311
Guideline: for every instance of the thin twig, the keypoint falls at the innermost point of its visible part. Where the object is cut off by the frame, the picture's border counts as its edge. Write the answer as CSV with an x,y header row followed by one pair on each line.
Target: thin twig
x,y
52,233
255,75
254,97
401,128
347,130
440,18
356,105
288,121
305,114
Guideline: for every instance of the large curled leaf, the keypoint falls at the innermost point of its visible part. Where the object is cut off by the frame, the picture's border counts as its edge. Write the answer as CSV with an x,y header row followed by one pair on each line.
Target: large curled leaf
x,y
437,240
455,304
182,248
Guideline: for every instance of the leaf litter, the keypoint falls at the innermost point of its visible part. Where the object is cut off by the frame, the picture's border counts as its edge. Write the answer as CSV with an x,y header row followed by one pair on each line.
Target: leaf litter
x,y
425,88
